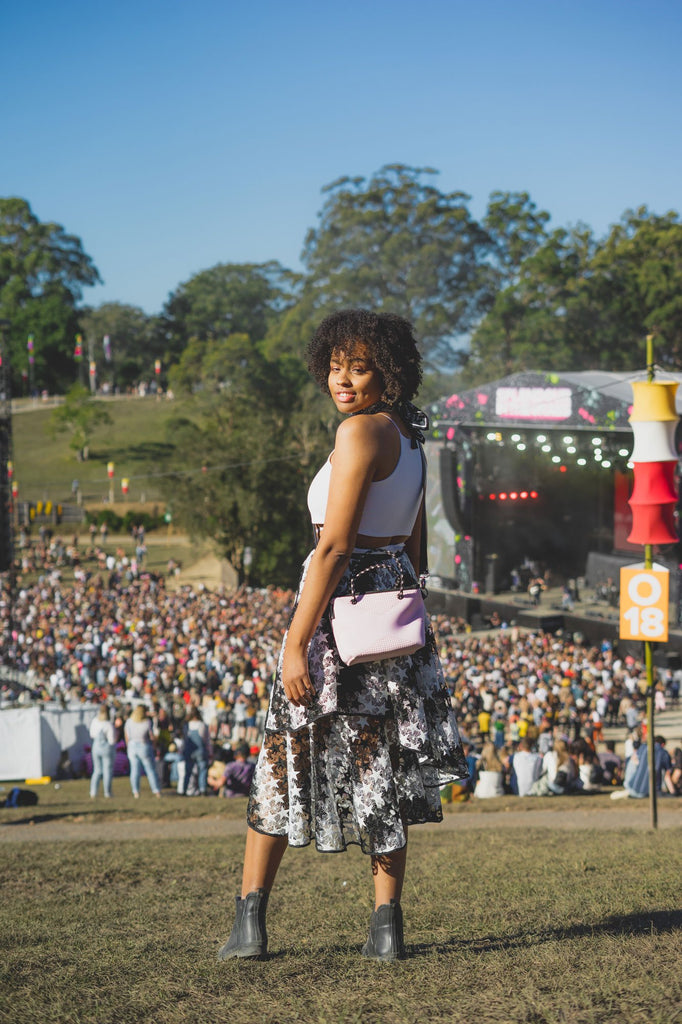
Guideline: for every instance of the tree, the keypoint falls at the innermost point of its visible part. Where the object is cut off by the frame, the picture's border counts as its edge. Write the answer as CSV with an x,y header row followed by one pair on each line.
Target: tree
x,y
132,335
516,229
636,284
397,243
230,298
533,322
79,415
42,273
243,453
581,302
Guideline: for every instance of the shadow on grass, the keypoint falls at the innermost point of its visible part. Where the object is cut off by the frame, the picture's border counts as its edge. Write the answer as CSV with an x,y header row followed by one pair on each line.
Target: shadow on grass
x,y
145,451
643,923
658,921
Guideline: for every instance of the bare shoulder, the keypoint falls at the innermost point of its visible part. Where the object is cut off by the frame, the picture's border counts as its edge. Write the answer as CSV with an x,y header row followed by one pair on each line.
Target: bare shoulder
x,y
360,433
355,428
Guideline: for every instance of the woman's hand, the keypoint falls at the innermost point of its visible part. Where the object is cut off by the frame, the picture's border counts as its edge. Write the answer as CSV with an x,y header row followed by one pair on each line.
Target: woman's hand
x,y
295,679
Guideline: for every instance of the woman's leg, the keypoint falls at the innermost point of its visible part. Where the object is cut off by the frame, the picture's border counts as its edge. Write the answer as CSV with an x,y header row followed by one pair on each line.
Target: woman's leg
x,y
262,857
388,870
108,772
96,774
149,765
134,771
385,941
202,771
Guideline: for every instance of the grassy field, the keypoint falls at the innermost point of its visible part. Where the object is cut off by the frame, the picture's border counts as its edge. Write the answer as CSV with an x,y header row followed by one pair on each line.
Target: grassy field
x,y
533,925
134,441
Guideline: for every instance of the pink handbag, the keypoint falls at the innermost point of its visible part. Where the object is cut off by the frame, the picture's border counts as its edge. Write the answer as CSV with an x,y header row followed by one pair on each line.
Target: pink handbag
x,y
384,624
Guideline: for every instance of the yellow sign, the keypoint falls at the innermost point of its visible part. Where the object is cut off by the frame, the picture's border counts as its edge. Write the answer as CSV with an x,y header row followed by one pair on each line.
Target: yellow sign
x,y
644,609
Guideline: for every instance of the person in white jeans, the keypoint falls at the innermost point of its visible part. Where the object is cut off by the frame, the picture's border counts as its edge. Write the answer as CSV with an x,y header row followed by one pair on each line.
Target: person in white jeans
x,y
103,752
139,741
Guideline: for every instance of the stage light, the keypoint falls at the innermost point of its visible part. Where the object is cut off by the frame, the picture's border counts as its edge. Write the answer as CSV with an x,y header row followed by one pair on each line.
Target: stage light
x,y
631,465
582,462
568,440
513,495
596,440
502,496
623,452
556,458
546,447
562,469
606,464
524,494
571,450
521,447
492,496
541,439
597,456
533,494
491,437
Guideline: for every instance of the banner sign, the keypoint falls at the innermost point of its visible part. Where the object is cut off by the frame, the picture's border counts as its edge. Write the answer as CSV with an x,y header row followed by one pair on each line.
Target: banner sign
x,y
644,607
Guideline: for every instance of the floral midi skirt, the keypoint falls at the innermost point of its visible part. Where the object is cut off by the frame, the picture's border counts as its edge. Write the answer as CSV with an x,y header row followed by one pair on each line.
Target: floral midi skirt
x,y
368,757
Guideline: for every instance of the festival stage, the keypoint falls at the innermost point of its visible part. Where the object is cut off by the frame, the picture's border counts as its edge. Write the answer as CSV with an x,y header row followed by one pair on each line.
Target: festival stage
x,y
591,619
530,476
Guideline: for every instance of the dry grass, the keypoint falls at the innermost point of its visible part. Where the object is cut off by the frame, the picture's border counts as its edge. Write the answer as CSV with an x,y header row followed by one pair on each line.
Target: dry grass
x,y
533,926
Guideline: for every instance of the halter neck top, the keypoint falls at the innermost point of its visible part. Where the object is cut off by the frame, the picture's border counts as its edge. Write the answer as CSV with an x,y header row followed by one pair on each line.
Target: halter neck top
x,y
392,504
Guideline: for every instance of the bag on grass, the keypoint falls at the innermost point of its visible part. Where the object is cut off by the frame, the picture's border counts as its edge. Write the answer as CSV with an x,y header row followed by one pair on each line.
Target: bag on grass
x,y
21,797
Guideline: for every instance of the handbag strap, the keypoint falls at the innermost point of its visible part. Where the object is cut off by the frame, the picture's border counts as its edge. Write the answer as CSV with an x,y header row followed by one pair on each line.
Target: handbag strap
x,y
423,567
389,560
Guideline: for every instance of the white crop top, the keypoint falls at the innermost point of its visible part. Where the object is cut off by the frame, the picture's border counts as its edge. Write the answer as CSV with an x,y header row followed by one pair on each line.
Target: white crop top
x,y
392,504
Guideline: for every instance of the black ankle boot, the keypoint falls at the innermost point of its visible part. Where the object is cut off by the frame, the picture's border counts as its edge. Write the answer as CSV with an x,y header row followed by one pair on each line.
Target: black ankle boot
x,y
385,940
249,937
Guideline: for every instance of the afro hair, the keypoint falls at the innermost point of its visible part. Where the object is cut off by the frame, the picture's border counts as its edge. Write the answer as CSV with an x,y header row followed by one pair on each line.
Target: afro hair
x,y
389,342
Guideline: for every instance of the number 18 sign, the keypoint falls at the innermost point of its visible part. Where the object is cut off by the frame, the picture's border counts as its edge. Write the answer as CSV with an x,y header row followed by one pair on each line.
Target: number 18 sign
x,y
644,602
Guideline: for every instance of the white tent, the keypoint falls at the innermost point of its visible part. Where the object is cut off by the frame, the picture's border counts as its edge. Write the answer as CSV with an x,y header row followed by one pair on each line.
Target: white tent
x,y
32,739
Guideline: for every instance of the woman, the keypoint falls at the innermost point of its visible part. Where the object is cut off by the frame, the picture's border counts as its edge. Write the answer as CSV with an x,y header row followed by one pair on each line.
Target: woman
x,y
140,744
490,773
103,752
196,751
558,770
353,754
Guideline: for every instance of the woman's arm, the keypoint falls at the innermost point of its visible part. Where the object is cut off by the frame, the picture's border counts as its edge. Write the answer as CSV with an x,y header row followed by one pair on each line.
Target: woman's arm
x,y
357,451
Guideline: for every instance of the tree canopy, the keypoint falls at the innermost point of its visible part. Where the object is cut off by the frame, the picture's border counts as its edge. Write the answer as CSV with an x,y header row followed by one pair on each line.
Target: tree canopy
x,y
243,453
487,297
577,301
132,342
397,243
42,273
230,298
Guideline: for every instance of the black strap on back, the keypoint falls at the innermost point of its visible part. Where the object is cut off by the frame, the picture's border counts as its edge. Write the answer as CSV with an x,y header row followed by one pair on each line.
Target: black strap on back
x,y
423,542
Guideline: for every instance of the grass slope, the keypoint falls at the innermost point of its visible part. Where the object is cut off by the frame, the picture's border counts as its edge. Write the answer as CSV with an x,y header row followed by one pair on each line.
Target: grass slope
x,y
45,466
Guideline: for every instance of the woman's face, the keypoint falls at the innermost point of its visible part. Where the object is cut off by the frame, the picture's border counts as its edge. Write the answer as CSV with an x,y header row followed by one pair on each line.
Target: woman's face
x,y
354,382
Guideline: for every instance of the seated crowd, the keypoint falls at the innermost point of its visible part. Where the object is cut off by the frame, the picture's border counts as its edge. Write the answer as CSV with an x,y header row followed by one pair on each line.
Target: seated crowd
x,y
532,706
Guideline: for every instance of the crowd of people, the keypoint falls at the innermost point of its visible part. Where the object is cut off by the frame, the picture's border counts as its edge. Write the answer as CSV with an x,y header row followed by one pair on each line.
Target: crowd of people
x,y
204,660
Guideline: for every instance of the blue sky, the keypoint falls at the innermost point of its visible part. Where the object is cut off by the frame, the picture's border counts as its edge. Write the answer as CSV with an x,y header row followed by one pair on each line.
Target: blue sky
x,y
172,135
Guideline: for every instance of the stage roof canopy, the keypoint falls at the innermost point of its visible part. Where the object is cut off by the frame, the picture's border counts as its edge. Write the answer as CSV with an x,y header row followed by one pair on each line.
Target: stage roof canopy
x,y
584,400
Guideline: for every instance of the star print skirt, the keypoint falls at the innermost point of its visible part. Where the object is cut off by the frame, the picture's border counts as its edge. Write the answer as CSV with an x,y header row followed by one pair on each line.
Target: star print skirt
x,y
370,754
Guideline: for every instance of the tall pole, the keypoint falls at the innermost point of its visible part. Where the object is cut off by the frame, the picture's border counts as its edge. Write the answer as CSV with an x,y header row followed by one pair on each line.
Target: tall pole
x,y
648,651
